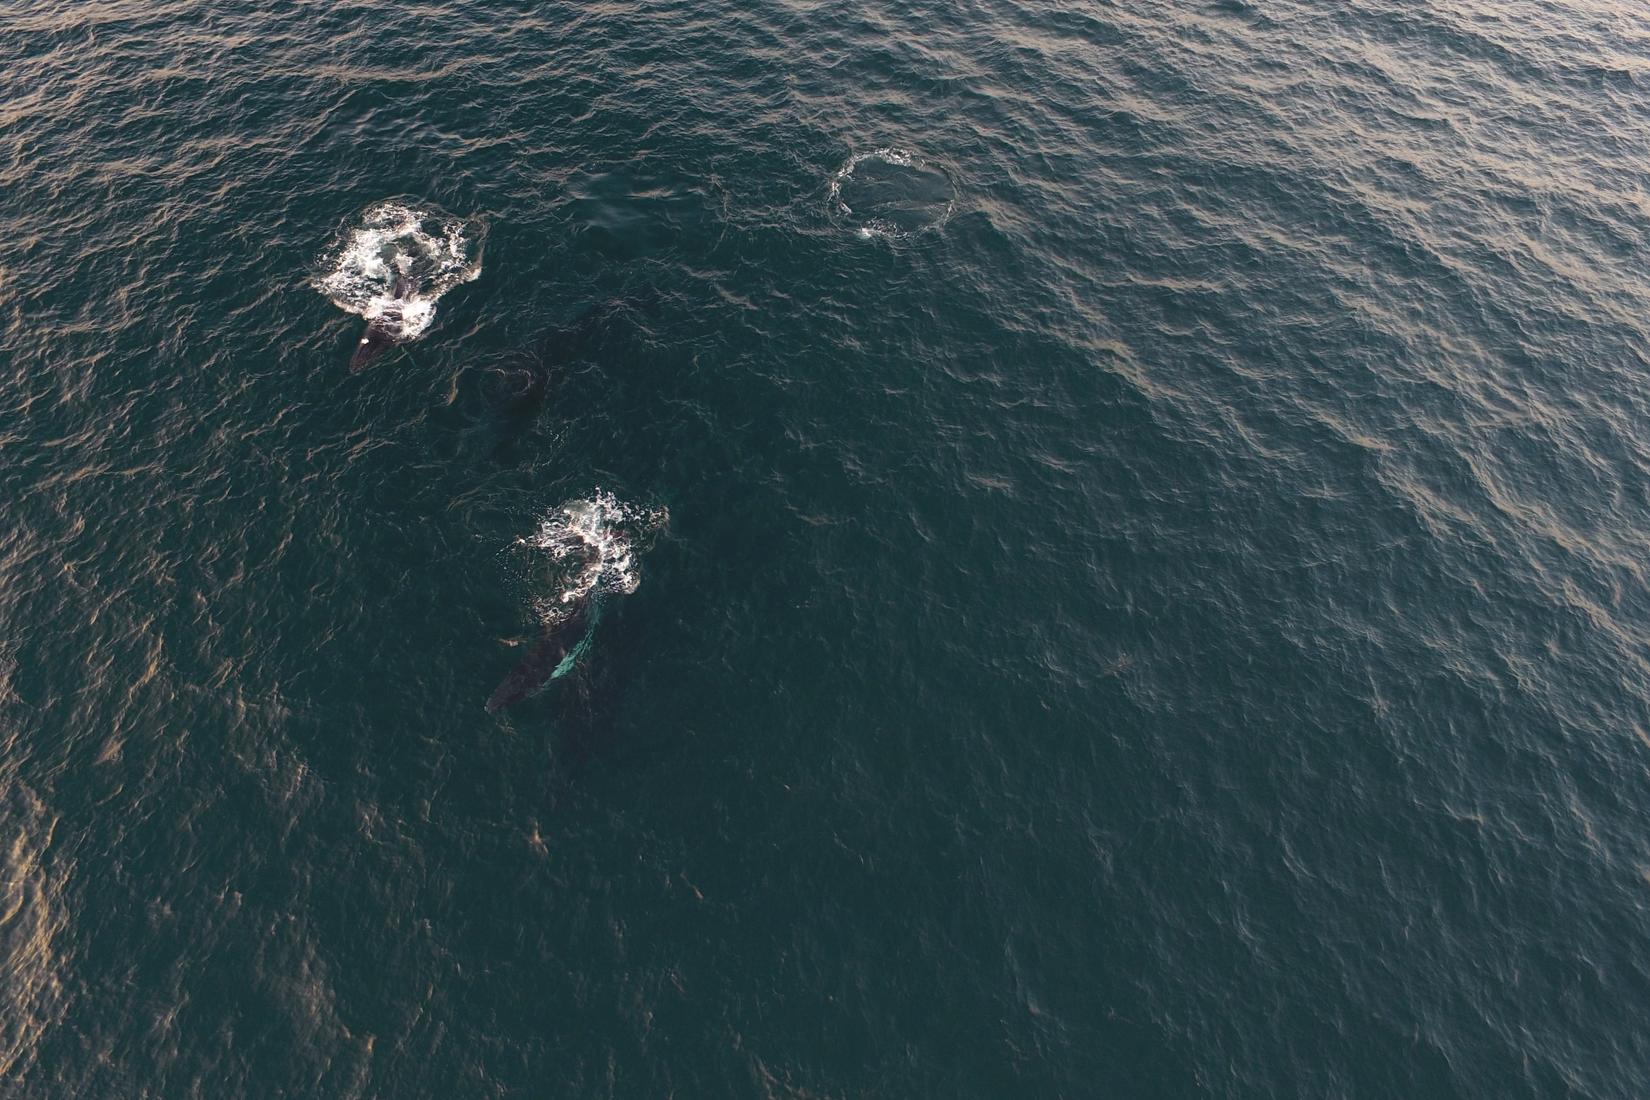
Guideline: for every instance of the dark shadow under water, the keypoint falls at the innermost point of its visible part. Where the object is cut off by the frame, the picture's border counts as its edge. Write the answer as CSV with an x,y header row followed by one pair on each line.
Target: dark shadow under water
x,y
495,405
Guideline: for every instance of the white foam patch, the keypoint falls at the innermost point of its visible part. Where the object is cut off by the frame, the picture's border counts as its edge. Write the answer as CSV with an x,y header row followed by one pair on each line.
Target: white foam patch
x,y
904,215
420,245
589,547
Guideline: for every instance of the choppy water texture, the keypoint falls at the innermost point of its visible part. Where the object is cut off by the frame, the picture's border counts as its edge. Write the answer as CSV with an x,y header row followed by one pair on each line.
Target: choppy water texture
x,y
1174,626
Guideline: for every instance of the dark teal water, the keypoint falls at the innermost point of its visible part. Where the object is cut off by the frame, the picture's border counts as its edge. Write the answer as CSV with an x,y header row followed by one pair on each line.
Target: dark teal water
x,y
1166,618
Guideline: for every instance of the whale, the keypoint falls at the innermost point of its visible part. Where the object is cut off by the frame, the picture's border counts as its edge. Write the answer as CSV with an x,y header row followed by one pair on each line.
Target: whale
x,y
558,639
384,330
517,388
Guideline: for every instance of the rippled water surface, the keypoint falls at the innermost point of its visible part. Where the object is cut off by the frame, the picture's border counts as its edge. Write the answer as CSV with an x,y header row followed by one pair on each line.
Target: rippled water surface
x,y
1153,602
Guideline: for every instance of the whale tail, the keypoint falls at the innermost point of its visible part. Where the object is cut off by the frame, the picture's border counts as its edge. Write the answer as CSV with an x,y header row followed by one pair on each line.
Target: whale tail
x,y
557,648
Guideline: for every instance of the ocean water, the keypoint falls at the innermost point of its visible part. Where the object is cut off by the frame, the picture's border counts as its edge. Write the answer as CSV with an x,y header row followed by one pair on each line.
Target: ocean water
x,y
1153,600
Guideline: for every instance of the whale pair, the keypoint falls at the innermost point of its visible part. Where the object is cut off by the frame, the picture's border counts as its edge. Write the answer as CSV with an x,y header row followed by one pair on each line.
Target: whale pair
x,y
583,554
390,268
517,388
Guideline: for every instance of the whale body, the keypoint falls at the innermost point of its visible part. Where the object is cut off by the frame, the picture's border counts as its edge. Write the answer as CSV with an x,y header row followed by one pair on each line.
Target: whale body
x,y
383,331
557,640
516,389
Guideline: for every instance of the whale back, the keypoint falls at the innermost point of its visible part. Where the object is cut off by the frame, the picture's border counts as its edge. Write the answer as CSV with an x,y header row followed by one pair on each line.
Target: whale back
x,y
374,342
557,646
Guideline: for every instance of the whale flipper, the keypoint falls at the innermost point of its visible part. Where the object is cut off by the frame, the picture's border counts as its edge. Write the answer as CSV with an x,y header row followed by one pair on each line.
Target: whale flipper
x,y
555,644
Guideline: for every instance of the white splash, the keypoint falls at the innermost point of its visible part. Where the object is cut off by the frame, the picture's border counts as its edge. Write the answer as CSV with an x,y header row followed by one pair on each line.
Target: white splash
x,y
590,547
420,246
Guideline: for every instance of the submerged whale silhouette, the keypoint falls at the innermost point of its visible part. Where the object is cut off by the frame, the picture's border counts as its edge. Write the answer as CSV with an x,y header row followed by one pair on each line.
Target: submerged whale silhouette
x,y
516,388
383,331
557,640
